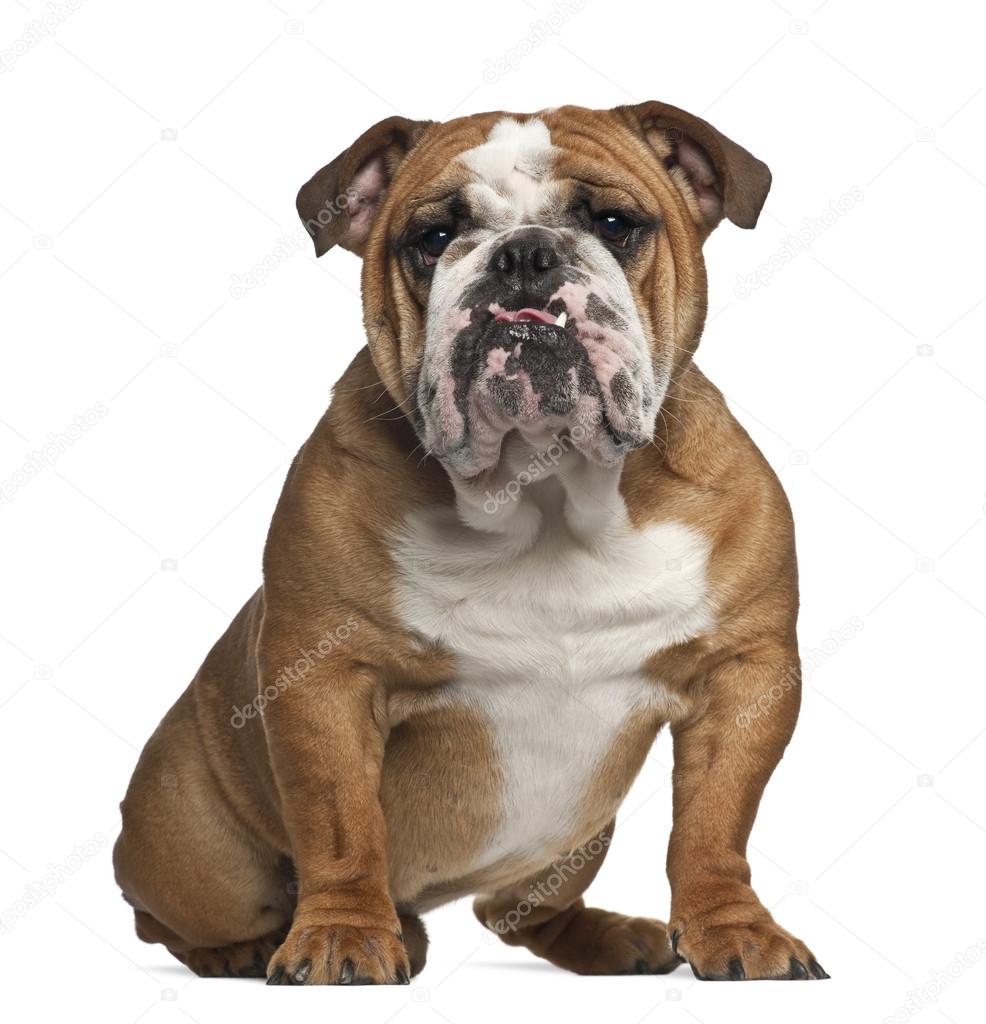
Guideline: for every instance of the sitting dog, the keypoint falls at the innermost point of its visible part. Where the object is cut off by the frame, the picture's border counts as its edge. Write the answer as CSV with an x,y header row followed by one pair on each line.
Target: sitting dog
x,y
526,534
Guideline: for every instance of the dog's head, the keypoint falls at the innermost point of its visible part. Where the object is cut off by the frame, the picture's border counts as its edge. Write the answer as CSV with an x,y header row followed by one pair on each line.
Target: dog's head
x,y
540,273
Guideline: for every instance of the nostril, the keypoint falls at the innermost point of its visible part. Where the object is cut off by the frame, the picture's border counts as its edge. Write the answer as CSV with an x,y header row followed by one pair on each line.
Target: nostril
x,y
544,259
503,260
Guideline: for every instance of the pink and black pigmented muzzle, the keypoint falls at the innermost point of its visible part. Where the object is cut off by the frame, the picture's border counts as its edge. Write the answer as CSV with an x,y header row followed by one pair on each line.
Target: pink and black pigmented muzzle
x,y
536,337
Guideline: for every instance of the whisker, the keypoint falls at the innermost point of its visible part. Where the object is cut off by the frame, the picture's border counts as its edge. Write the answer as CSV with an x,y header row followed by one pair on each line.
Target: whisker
x,y
386,414
362,387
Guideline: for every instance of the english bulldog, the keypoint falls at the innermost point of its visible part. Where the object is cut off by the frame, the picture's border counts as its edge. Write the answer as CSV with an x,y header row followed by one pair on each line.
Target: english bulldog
x,y
526,534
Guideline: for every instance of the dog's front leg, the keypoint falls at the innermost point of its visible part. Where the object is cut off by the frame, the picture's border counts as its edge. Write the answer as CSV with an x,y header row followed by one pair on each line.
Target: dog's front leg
x,y
723,758
326,734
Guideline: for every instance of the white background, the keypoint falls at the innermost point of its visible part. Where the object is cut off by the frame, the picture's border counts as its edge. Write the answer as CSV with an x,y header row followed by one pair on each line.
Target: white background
x,y
152,151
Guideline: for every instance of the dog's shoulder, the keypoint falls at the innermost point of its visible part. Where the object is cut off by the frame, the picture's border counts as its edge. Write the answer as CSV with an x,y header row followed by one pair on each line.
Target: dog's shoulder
x,y
707,469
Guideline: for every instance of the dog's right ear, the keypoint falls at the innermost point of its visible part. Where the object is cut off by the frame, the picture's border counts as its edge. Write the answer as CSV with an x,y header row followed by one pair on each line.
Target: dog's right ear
x,y
339,204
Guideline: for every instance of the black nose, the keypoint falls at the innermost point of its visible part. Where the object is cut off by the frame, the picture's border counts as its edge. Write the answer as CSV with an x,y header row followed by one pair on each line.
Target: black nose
x,y
525,258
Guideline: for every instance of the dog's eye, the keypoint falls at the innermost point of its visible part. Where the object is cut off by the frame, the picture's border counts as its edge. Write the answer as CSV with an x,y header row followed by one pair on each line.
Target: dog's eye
x,y
612,227
433,243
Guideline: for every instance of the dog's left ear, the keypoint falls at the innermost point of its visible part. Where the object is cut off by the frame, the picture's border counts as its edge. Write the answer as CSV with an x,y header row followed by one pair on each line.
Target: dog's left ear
x,y
726,180
339,204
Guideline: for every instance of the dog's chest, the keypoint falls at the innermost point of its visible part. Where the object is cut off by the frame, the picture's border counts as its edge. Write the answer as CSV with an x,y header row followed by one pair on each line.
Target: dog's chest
x,y
550,642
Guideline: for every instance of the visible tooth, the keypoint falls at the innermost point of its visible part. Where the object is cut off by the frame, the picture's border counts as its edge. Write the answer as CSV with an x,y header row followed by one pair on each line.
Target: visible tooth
x,y
562,320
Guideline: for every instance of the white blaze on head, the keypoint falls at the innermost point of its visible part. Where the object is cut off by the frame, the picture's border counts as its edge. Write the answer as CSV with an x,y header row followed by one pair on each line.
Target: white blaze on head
x,y
512,171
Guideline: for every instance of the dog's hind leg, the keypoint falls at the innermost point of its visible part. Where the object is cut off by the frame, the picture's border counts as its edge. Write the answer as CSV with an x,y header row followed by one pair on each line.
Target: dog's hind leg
x,y
546,914
200,881
415,940
247,959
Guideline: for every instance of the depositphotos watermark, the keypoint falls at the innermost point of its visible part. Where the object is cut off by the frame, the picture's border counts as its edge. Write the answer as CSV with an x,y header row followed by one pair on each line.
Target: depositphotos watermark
x,y
551,884
539,464
938,981
540,30
793,675
292,674
51,451
56,875
37,30
290,245
812,657
256,277
794,244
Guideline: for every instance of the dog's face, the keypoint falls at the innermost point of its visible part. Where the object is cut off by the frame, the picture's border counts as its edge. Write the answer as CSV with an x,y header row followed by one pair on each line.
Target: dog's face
x,y
533,273
531,319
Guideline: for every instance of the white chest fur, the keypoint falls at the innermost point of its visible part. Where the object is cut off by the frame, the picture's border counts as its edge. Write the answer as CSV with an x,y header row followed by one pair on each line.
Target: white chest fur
x,y
552,607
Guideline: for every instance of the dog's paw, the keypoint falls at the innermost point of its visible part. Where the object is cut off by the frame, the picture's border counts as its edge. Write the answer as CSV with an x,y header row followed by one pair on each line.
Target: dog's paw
x,y
738,942
632,945
588,940
343,954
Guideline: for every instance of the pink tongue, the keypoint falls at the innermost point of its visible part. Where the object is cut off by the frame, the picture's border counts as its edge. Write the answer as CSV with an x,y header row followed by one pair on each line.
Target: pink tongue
x,y
512,316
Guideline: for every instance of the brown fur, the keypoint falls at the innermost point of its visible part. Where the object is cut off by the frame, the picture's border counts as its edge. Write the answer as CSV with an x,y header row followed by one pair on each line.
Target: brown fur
x,y
304,843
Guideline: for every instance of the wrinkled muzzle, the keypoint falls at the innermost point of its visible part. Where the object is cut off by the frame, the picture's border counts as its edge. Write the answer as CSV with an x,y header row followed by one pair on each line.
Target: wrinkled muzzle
x,y
534,328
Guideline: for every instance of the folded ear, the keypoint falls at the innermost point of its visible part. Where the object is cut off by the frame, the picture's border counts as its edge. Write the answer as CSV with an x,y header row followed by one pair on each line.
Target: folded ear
x,y
725,179
339,204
